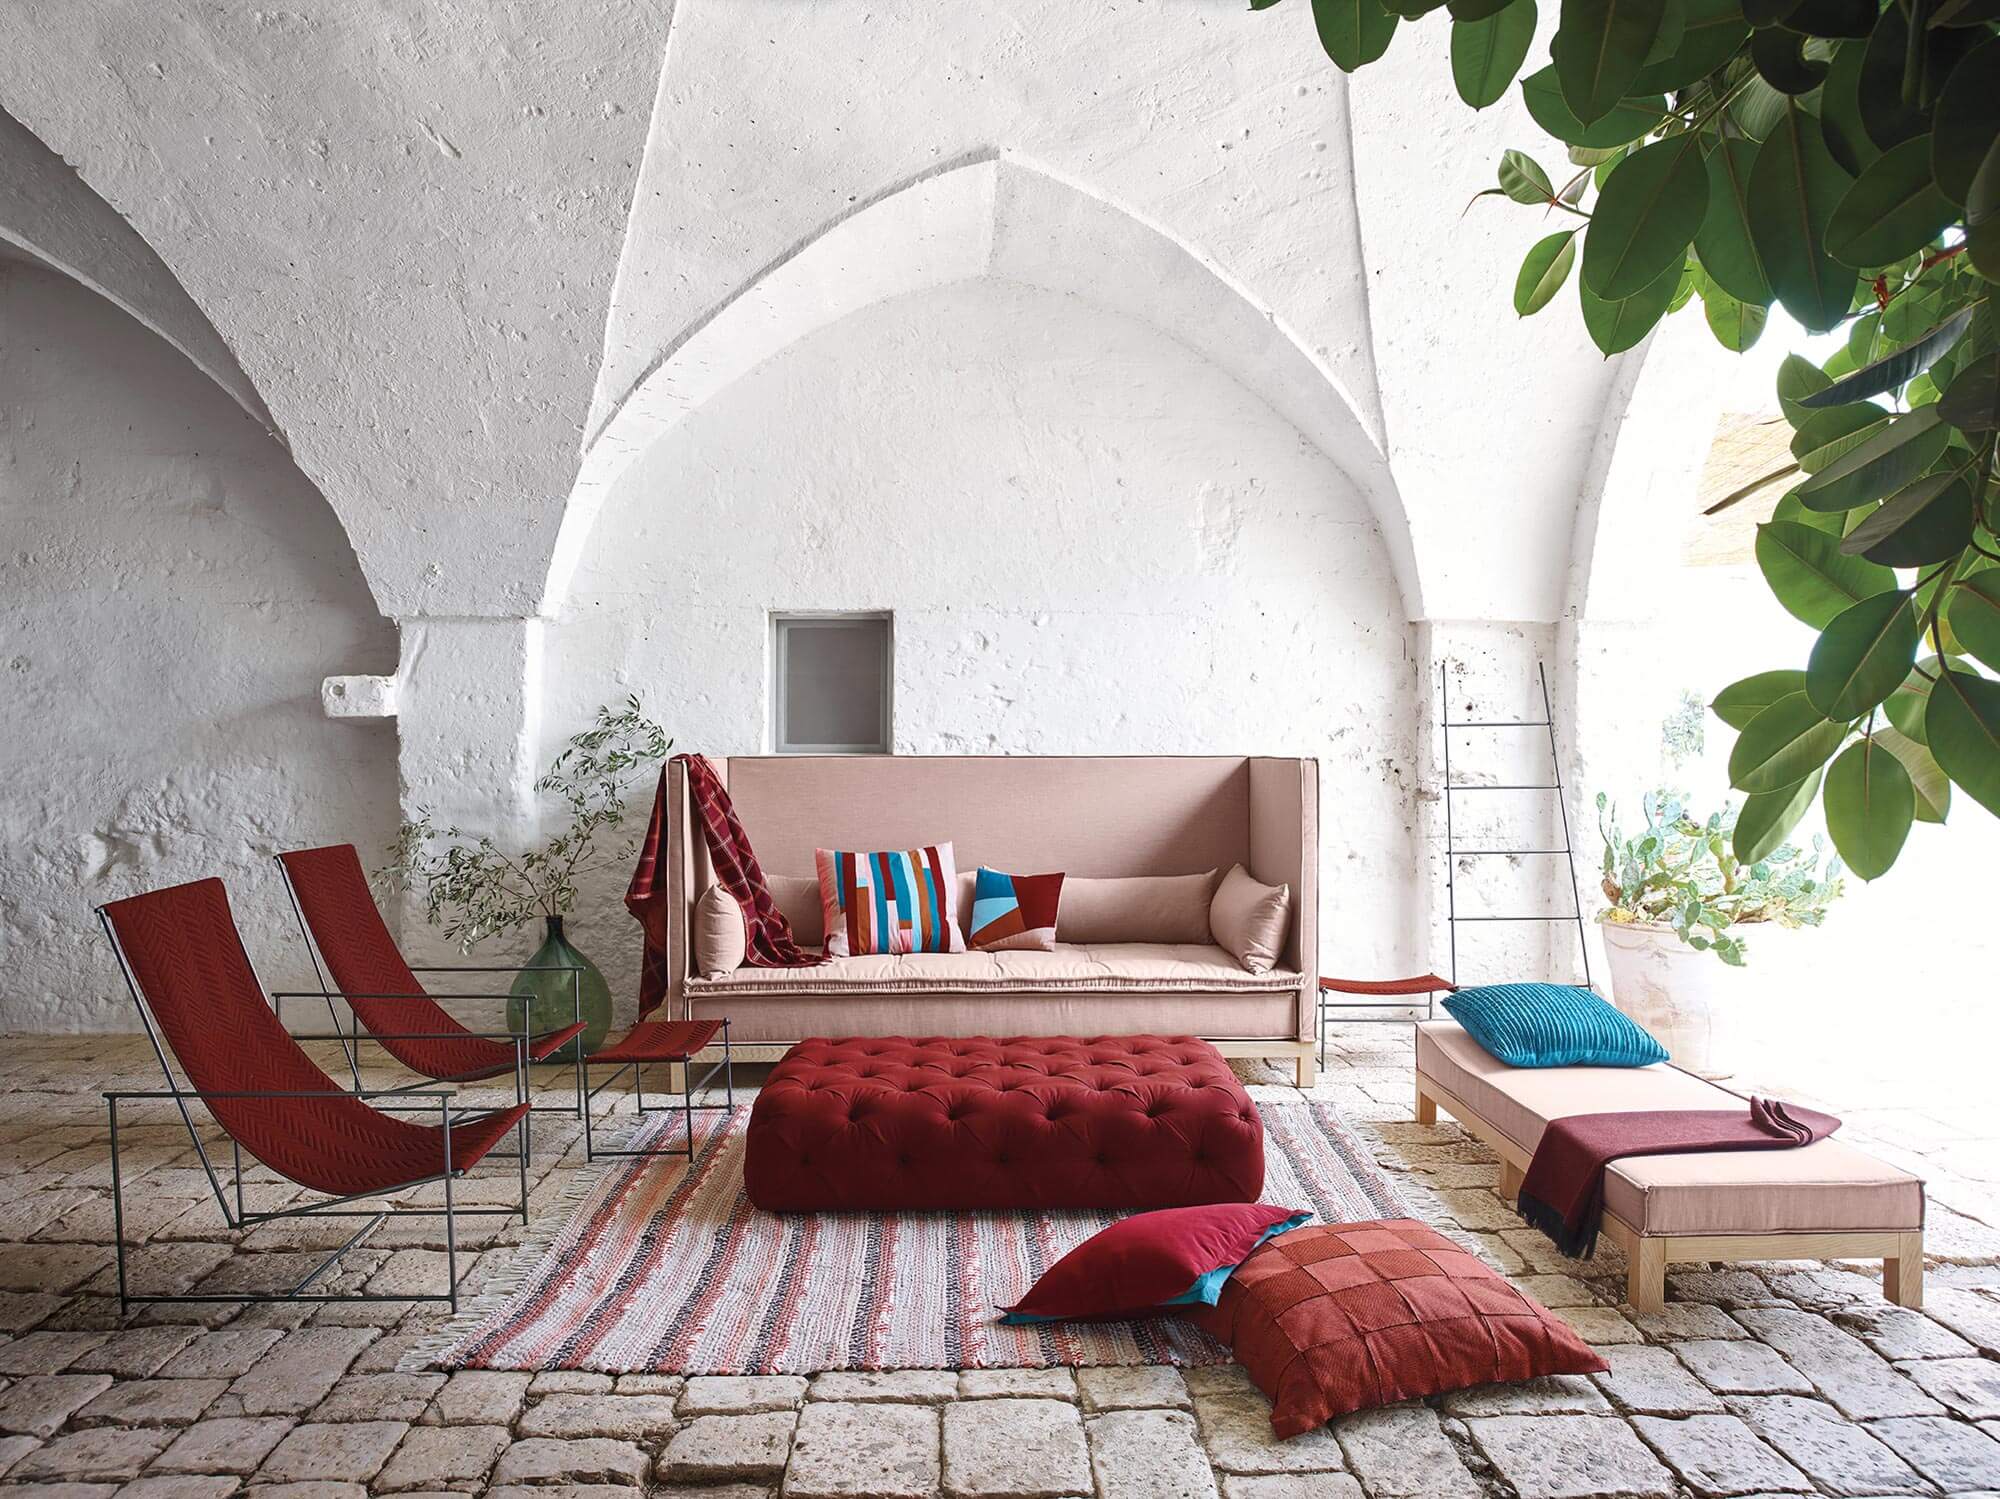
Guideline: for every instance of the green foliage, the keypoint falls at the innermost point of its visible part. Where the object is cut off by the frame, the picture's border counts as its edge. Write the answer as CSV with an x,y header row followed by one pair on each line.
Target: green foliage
x,y
1684,872
1841,158
473,890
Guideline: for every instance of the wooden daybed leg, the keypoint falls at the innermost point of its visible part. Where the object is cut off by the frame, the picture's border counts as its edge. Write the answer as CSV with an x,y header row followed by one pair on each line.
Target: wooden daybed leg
x,y
1510,1181
1307,1068
1427,1109
1646,1275
1903,1272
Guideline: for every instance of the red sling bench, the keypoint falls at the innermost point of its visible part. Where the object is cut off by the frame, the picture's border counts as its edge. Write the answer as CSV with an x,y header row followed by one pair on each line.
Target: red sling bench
x,y
202,1006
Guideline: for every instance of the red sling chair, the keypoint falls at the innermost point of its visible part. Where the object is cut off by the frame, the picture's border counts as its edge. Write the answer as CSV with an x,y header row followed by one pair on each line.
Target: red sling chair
x,y
349,942
200,1002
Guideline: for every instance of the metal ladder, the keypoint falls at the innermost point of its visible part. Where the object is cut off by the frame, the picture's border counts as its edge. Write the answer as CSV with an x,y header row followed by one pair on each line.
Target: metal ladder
x,y
1453,853
1401,994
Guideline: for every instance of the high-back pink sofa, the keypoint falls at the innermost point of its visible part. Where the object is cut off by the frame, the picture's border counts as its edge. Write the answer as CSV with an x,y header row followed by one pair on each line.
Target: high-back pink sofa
x,y
1088,816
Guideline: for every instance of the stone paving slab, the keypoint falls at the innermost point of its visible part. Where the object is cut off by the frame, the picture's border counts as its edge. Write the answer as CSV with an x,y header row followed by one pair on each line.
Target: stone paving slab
x,y
884,1450
1014,1448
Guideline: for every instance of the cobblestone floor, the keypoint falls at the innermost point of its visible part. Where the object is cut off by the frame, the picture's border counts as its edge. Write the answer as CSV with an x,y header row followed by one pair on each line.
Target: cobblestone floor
x,y
1782,1380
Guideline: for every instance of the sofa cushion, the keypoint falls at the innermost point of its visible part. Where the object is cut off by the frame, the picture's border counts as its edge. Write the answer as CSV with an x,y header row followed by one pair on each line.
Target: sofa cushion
x,y
1828,1185
1248,918
1348,1316
797,895
944,1123
1552,1025
890,900
1139,908
1118,967
1152,1262
761,1017
1014,911
719,938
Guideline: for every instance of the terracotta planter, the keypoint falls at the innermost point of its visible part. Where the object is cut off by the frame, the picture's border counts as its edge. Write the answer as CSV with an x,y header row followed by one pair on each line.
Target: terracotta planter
x,y
1682,996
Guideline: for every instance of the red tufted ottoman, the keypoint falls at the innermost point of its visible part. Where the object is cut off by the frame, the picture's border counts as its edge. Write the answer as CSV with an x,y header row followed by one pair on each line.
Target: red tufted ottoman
x,y
959,1122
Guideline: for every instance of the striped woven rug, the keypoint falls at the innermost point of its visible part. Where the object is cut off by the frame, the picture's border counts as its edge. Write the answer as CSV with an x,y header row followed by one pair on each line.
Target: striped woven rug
x,y
662,1270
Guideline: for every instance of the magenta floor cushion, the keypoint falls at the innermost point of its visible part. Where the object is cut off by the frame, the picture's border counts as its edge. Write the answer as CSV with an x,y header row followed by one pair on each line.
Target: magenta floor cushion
x,y
966,1122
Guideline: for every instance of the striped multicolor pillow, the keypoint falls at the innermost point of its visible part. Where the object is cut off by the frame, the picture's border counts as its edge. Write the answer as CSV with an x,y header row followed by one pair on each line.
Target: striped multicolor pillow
x,y
896,901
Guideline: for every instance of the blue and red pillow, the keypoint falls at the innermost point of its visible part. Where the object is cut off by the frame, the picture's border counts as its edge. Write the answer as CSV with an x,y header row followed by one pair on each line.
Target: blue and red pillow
x,y
1015,910
1152,1262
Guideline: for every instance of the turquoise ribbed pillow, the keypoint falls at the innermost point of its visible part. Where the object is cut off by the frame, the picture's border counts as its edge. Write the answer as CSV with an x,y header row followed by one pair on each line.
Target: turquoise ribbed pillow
x,y
1552,1025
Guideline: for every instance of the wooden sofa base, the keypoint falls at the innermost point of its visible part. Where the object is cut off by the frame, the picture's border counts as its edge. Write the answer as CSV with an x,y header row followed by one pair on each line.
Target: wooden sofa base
x,y
1648,1255
1301,1054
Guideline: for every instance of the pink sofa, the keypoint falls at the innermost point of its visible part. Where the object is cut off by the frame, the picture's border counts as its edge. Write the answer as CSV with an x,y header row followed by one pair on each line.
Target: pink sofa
x,y
1092,817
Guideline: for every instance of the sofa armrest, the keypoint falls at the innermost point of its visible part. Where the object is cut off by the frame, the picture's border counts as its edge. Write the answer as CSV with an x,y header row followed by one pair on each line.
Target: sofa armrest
x,y
1284,850
688,874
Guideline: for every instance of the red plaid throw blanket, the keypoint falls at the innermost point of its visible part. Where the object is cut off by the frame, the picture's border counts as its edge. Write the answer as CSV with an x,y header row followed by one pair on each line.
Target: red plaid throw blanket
x,y
768,940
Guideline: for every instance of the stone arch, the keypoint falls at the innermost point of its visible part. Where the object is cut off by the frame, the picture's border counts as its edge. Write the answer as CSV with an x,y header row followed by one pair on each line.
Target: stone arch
x,y
990,214
49,214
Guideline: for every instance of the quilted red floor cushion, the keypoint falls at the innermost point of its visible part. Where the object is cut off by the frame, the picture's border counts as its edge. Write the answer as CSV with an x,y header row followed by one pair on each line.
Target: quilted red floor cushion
x,y
965,1122
1338,1318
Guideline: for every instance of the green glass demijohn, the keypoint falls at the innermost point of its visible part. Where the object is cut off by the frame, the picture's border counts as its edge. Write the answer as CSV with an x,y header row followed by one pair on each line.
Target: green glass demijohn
x,y
546,1000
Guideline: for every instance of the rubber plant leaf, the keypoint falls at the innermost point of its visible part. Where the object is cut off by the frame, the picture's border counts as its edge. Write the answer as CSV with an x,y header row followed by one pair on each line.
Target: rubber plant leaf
x,y
1544,271
1930,784
1869,807
1617,326
1962,727
1811,577
1778,54
1632,119
1966,121
1928,521
1794,185
1743,700
1862,656
1646,216
1736,325
1974,612
1711,32
1893,209
1768,818
1888,460
1971,402
1354,33
1600,47
1891,370
1783,745
1486,55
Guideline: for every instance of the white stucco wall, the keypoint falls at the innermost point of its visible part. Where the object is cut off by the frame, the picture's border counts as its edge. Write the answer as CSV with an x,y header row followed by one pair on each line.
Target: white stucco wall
x,y
172,590
1094,541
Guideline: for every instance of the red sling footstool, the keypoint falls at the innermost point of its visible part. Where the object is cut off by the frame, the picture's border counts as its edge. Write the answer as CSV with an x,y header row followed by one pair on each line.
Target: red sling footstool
x,y
964,1122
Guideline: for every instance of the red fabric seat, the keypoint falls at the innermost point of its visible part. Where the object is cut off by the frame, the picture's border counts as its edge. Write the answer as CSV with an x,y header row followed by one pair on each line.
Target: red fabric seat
x,y
340,913
187,961
659,1041
956,1122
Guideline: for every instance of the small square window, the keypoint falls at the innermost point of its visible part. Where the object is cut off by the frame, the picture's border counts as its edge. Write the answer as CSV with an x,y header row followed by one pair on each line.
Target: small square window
x,y
830,683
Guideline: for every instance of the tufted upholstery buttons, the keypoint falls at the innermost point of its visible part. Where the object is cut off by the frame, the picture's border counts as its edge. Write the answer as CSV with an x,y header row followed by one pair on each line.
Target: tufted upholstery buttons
x,y
965,1122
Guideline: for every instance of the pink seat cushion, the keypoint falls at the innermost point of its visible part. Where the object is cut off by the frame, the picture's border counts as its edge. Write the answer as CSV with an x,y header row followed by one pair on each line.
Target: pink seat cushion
x,y
966,1122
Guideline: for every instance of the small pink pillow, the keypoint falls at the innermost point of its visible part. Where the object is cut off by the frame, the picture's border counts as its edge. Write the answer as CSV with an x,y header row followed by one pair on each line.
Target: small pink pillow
x,y
1249,919
1152,1262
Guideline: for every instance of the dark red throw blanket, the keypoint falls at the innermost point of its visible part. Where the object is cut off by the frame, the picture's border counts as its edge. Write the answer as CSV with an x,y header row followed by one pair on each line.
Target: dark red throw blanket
x,y
1563,1192
768,940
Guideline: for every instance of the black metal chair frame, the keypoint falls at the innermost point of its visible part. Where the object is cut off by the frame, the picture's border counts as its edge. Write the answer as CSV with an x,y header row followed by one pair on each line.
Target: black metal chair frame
x,y
687,1108
239,1218
352,1039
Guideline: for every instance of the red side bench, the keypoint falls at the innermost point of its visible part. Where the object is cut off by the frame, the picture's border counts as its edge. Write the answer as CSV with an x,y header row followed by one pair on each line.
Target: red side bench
x,y
967,1122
